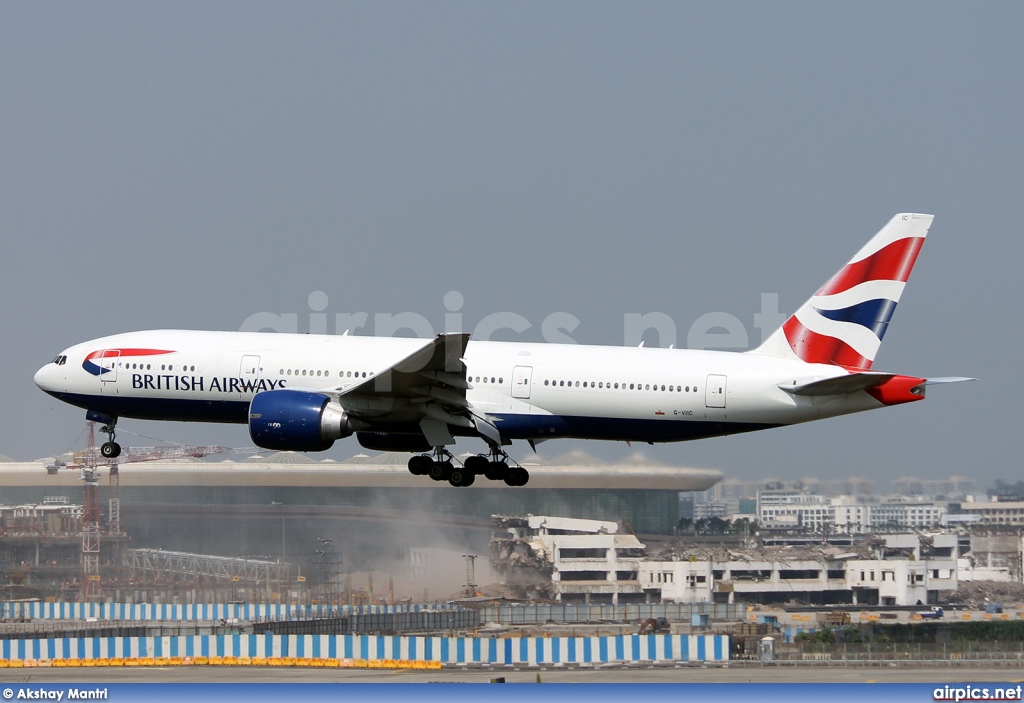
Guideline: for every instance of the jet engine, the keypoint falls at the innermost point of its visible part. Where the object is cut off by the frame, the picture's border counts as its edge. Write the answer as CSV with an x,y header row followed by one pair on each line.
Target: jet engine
x,y
286,420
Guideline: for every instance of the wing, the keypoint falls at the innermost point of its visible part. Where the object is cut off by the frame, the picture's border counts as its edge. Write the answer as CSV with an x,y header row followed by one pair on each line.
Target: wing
x,y
427,389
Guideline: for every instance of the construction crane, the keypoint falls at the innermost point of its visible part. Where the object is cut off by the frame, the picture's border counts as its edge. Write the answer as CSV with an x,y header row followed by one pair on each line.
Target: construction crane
x,y
88,462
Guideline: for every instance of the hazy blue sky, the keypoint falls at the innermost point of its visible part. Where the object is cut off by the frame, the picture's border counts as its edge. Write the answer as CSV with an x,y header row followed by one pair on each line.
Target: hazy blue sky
x,y
190,164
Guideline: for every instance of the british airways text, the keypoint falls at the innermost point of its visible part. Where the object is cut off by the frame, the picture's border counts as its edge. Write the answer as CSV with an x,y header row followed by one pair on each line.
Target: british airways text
x,y
167,382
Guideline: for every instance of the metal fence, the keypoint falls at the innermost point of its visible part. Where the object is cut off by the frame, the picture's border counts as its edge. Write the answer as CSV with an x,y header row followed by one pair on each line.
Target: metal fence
x,y
374,623
537,614
951,653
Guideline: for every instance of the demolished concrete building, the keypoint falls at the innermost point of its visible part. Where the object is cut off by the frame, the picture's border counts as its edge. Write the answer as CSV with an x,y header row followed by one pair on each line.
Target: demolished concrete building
x,y
593,561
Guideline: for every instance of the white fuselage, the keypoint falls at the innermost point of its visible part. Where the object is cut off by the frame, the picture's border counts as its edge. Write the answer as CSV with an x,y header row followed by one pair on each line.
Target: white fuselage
x,y
530,391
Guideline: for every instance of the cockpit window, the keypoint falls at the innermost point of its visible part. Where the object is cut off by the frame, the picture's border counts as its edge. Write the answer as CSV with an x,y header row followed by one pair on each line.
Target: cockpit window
x,y
60,360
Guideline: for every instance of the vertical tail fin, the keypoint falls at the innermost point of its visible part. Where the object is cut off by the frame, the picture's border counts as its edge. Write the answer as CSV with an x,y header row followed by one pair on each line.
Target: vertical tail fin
x,y
844,322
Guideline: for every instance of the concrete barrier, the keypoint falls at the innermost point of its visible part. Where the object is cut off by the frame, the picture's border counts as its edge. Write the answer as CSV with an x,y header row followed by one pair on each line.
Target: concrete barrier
x,y
301,650
195,611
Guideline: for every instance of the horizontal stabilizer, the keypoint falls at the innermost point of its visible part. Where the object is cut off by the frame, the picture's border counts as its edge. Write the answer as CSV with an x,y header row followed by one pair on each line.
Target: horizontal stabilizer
x,y
840,385
947,379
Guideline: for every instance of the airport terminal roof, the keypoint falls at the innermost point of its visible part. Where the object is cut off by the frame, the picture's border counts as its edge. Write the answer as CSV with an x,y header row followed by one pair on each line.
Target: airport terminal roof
x,y
574,470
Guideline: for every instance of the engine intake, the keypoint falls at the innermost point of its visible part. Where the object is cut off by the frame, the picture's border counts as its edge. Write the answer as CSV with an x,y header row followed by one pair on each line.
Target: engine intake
x,y
287,420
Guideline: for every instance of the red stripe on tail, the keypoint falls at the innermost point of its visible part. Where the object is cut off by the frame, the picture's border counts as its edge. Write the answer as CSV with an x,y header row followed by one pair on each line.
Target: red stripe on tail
x,y
892,262
817,348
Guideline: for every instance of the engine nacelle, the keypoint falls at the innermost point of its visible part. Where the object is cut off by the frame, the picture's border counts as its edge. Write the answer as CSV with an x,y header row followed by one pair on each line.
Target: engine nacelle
x,y
297,421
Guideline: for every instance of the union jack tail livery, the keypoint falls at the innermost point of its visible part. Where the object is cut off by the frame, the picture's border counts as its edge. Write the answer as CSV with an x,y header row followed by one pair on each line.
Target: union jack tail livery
x,y
844,322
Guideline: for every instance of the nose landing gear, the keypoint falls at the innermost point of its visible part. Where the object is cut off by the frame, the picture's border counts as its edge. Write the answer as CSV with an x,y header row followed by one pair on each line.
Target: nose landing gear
x,y
110,449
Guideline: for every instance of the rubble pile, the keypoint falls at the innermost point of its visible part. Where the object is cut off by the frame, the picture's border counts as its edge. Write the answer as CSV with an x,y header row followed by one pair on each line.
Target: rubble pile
x,y
977,594
680,550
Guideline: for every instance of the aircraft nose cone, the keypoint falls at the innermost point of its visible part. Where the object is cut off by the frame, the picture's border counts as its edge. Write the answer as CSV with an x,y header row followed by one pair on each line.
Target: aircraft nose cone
x,y
40,378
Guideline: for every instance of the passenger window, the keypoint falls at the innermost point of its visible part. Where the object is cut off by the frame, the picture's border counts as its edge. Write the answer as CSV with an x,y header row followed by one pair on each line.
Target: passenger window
x,y
663,388
501,380
630,386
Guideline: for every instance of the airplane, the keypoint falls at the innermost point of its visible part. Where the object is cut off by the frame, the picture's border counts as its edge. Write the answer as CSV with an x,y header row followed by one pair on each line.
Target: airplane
x,y
301,392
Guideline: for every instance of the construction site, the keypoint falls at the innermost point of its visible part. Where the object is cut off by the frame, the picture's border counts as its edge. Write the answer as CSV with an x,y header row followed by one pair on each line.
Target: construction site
x,y
195,524
170,524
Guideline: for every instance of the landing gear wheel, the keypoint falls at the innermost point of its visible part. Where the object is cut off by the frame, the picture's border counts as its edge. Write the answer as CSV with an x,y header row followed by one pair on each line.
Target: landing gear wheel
x,y
476,464
419,465
110,450
460,477
441,470
517,476
496,470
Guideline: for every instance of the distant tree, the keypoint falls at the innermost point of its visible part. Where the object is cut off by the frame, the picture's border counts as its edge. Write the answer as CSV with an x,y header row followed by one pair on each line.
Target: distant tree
x,y
824,636
1005,488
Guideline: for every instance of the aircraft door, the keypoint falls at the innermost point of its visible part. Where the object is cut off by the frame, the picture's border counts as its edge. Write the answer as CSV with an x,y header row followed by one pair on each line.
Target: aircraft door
x,y
522,377
108,365
714,393
250,369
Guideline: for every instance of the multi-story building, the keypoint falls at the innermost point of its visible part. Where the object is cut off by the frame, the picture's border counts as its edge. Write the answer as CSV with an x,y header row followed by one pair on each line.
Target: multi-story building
x,y
799,510
946,487
1009,513
588,560
794,510
900,574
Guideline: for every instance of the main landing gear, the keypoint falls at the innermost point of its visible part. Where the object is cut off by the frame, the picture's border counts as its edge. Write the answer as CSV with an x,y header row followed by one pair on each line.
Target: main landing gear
x,y
441,467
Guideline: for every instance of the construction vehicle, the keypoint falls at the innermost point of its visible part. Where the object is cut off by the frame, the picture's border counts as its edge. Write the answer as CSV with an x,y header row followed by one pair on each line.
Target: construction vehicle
x,y
834,618
651,626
